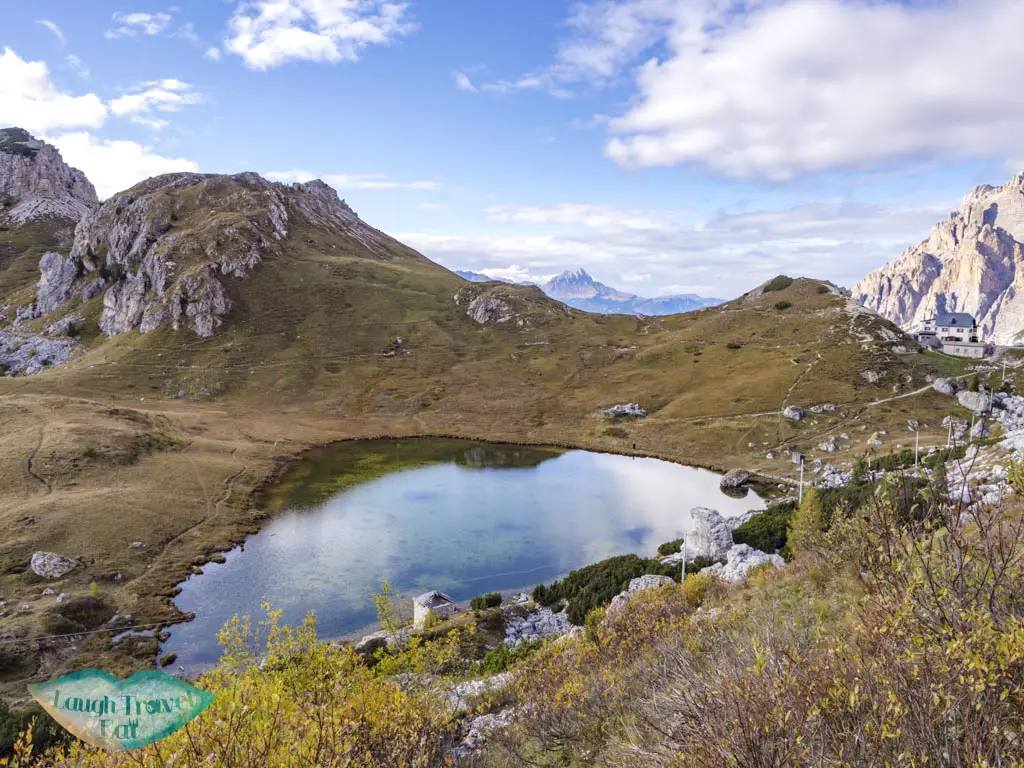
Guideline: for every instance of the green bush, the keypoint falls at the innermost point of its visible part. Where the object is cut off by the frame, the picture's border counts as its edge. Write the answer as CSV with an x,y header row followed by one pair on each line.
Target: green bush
x,y
670,547
973,383
734,345
483,602
783,305
595,585
46,732
767,531
823,289
503,657
779,283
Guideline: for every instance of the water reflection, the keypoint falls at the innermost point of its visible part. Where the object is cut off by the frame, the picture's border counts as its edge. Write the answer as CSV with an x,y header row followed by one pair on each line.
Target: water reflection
x,y
452,515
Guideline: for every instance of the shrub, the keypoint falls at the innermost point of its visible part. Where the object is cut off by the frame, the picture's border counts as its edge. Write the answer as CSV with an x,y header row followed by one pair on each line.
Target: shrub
x,y
482,602
779,283
503,657
733,345
767,531
46,732
823,289
33,352
595,585
783,305
973,383
670,547
89,451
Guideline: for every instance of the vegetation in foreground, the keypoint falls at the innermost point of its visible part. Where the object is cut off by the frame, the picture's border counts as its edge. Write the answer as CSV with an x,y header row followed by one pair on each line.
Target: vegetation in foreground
x,y
896,637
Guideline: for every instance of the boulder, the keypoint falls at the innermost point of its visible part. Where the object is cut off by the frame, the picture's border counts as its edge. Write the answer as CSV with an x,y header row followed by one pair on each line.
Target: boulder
x,y
711,535
739,560
734,478
980,430
50,565
944,386
829,446
979,402
871,377
628,409
648,581
794,412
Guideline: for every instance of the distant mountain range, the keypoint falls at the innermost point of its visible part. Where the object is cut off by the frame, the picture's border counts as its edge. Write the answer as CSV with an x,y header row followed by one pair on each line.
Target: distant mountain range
x,y
578,289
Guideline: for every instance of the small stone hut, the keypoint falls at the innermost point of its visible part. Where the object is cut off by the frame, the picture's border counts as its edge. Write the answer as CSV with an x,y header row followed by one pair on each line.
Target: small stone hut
x,y
430,603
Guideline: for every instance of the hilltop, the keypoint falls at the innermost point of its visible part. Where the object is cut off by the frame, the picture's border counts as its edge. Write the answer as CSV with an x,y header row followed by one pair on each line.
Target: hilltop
x,y
211,328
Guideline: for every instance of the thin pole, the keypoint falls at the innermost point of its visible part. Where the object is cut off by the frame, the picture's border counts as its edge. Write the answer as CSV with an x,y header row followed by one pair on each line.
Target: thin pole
x,y
949,436
801,494
917,446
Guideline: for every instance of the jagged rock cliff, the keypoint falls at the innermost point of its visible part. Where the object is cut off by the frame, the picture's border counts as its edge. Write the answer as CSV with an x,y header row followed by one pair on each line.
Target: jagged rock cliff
x,y
35,182
972,262
160,253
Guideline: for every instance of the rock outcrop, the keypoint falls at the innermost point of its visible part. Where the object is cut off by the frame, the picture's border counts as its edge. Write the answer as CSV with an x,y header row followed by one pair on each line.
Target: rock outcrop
x,y
734,478
161,253
739,560
35,182
711,535
973,262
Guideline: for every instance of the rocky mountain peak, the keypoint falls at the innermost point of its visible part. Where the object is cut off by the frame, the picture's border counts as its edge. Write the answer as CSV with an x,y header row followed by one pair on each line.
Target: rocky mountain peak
x,y
35,182
161,253
972,262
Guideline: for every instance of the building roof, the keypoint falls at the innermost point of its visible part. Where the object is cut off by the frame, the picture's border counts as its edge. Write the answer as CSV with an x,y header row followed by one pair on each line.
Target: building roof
x,y
960,319
433,599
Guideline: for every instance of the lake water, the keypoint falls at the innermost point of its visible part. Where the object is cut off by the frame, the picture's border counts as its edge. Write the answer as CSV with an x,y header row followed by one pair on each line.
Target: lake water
x,y
460,516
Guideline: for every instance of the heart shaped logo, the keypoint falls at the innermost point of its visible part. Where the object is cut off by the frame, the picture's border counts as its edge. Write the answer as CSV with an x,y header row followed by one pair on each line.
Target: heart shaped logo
x,y
119,715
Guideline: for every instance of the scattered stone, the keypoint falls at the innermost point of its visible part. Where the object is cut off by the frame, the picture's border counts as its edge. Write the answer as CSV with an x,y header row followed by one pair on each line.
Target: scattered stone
x,y
61,597
537,624
980,430
136,545
944,386
49,591
913,425
829,446
794,413
871,377
50,565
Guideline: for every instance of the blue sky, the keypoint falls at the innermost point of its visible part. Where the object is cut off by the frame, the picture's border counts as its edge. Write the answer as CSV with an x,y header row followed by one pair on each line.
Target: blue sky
x,y
663,145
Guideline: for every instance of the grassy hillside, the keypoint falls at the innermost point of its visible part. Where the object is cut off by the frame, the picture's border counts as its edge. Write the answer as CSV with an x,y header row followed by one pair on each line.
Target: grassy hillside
x,y
162,437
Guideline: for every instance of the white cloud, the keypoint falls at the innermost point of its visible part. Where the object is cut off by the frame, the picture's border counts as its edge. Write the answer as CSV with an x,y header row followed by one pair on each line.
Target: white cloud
x,y
57,31
187,31
133,24
463,83
29,99
76,63
113,166
516,274
212,53
351,181
635,277
601,217
799,86
604,37
168,95
433,206
267,33
725,255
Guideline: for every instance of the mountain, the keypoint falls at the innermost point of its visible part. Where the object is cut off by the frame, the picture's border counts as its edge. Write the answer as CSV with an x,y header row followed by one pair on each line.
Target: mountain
x,y
973,262
578,289
35,182
478,277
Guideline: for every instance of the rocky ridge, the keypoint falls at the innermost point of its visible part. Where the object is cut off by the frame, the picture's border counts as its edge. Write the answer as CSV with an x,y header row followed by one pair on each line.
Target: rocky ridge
x,y
973,262
160,253
35,182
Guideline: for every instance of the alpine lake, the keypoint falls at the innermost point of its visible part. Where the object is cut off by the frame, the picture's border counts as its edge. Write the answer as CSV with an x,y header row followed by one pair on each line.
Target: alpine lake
x,y
461,516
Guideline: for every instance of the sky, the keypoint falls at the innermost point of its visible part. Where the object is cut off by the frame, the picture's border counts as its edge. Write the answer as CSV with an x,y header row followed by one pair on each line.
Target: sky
x,y
665,146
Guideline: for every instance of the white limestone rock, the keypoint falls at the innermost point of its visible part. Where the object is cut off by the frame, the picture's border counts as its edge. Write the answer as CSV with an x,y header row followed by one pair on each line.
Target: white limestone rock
x,y
50,565
711,535
944,386
734,478
740,559
973,262
38,183
979,402
794,413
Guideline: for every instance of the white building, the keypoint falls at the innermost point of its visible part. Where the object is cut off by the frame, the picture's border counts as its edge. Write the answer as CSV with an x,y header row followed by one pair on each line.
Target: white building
x,y
955,333
433,603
